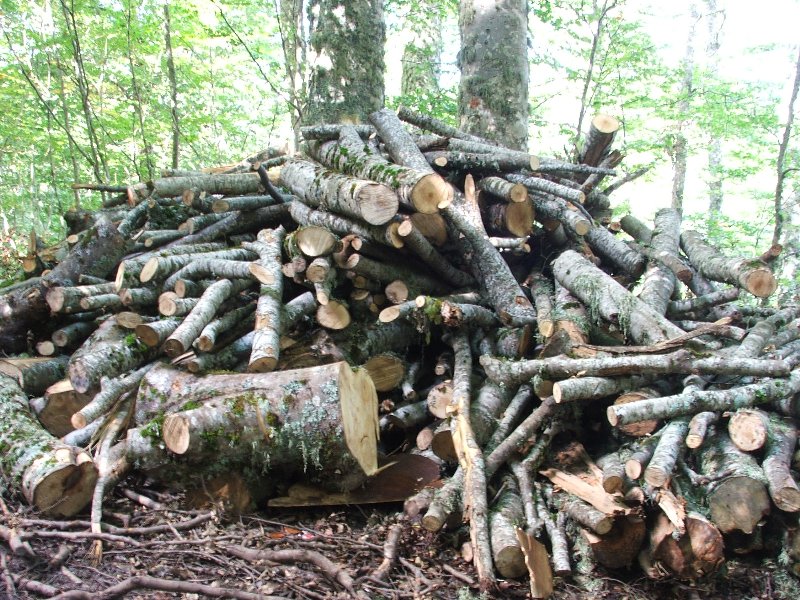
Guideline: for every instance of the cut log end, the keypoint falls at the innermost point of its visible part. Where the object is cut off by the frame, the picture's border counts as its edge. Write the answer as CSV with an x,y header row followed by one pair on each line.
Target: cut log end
x,y
378,203
605,123
760,282
386,371
738,504
64,483
263,365
333,315
431,193
519,218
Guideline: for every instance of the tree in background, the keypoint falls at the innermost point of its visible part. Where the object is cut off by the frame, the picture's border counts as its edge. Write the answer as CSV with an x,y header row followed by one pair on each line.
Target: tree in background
x,y
493,95
346,60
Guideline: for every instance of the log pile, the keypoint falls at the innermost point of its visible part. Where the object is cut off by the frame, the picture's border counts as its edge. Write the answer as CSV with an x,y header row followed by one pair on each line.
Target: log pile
x,y
297,318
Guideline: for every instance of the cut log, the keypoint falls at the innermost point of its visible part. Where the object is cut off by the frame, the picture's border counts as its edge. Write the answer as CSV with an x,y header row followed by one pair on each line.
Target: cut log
x,y
55,478
506,513
57,406
781,440
598,139
695,555
611,301
35,375
751,275
109,351
739,500
321,422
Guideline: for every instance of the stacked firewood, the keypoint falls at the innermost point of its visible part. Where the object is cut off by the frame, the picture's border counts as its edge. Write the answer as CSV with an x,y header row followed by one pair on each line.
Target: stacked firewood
x,y
295,318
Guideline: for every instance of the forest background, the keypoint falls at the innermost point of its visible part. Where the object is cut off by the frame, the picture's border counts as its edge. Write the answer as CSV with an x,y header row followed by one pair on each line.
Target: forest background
x,y
112,91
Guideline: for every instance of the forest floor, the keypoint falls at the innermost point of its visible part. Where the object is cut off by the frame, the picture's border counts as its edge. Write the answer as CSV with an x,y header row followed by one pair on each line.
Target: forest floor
x,y
353,538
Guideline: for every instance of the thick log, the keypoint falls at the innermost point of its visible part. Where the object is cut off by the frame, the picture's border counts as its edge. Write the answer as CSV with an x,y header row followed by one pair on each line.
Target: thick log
x,y
695,555
739,500
501,188
668,450
423,190
751,275
55,409
505,514
321,421
236,184
598,139
484,162
35,375
342,226
781,441
266,342
55,478
329,191
748,429
67,300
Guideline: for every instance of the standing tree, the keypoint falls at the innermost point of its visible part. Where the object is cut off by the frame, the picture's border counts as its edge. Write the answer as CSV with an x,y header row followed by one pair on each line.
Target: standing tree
x,y
346,55
716,17
782,171
493,97
679,150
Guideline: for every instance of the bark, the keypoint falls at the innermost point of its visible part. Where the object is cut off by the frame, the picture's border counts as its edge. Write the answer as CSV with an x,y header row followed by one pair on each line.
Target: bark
x,y
498,162
35,375
321,421
613,472
692,402
331,192
751,275
667,452
659,282
346,81
781,441
328,132
55,478
173,88
493,94
109,351
502,188
739,500
505,515
417,281
611,301
266,342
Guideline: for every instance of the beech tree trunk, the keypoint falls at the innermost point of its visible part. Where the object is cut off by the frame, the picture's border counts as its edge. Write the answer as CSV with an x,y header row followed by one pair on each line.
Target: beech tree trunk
x,y
493,95
347,64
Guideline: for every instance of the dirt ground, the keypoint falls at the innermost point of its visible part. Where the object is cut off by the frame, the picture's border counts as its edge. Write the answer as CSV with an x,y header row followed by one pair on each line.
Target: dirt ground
x,y
164,544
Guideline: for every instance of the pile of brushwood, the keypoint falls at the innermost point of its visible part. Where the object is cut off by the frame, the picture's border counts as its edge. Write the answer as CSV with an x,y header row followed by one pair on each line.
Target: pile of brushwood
x,y
426,317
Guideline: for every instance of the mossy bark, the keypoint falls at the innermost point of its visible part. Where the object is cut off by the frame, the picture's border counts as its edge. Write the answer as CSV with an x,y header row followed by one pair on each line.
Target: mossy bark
x,y
56,478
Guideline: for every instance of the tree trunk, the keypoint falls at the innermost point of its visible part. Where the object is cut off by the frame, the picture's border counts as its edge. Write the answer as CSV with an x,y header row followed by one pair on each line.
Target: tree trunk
x,y
493,95
347,61
173,89
780,210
